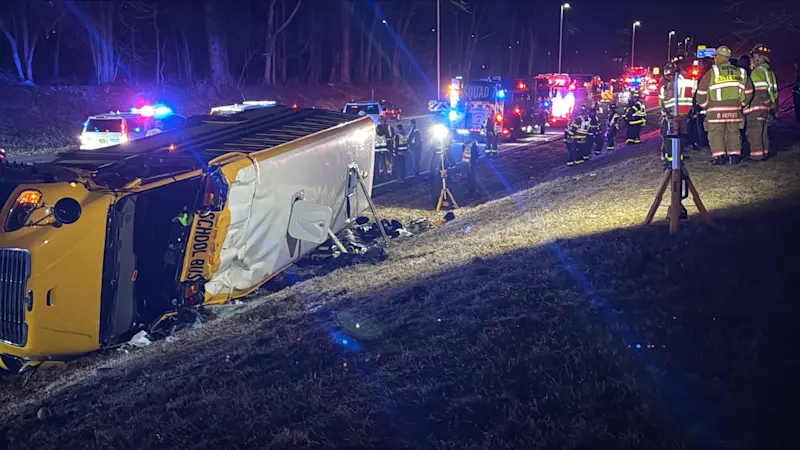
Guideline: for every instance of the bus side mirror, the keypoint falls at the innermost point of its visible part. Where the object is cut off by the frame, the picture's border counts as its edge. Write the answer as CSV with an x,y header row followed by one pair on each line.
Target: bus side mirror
x,y
67,211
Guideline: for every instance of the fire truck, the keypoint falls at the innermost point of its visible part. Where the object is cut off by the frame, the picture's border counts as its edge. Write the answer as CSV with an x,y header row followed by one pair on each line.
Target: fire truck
x,y
520,115
559,94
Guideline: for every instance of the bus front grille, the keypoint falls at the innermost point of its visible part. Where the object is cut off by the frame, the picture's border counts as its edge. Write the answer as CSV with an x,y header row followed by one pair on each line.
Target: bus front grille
x,y
15,269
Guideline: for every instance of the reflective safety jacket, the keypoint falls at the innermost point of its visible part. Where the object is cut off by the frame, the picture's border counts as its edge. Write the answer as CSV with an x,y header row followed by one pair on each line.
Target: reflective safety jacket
x,y
613,121
636,114
381,143
579,128
765,95
686,89
594,126
723,91
401,146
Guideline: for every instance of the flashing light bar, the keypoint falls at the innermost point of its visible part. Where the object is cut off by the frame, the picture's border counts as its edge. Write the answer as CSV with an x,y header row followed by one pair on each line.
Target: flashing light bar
x,y
152,111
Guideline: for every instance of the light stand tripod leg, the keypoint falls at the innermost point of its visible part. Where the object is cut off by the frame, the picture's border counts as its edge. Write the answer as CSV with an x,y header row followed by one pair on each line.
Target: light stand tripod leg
x,y
675,206
659,196
369,202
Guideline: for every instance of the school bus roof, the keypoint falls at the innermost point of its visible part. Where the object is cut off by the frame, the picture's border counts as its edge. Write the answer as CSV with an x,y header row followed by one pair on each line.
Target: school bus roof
x,y
203,139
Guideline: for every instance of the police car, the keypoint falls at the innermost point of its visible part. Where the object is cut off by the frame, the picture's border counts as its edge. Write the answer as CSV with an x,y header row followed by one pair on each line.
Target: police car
x,y
116,128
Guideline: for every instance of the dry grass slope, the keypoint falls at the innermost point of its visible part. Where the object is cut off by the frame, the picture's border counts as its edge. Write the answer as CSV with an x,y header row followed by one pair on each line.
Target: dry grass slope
x,y
509,327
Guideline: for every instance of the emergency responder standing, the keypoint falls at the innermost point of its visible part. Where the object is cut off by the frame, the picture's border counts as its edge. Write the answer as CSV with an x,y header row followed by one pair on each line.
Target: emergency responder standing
x,y
612,126
472,173
721,93
415,146
763,103
666,100
382,137
439,148
576,137
491,128
400,153
635,118
595,133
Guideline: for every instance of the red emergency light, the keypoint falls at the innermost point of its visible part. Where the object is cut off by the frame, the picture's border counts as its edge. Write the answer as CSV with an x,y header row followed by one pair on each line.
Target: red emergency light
x,y
521,85
695,72
498,118
517,111
572,87
294,106
506,131
628,79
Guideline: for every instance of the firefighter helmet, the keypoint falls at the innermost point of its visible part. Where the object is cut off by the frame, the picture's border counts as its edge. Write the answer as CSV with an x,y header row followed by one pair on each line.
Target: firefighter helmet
x,y
583,108
670,68
723,50
761,54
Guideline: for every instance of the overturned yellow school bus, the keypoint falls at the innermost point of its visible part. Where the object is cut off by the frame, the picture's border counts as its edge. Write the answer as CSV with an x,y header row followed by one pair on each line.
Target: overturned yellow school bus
x,y
98,244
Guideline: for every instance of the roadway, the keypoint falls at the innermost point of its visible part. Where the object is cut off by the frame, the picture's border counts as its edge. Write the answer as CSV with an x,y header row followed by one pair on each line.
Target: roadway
x,y
424,123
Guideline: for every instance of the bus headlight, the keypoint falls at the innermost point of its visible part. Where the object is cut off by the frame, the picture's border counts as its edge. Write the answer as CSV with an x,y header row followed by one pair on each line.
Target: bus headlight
x,y
24,205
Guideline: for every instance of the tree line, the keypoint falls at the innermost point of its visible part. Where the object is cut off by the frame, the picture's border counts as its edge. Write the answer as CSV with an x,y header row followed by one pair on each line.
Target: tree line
x,y
266,41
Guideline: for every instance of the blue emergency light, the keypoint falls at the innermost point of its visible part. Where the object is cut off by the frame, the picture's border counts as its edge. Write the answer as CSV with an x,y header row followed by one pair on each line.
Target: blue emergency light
x,y
453,115
501,93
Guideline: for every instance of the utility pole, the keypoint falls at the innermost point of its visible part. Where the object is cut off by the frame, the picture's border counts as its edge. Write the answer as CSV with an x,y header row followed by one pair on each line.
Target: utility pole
x,y
633,40
561,34
438,50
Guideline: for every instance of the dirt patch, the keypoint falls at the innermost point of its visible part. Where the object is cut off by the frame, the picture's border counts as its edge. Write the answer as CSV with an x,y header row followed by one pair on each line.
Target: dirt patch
x,y
544,318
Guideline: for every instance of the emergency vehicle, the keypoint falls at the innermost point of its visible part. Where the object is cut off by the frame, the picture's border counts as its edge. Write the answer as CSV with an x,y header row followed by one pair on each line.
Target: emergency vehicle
x,y
558,95
642,80
472,103
115,128
236,108
520,116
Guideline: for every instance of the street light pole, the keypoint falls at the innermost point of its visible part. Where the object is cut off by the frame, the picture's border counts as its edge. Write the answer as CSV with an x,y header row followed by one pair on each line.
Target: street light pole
x,y
633,40
438,50
669,45
561,34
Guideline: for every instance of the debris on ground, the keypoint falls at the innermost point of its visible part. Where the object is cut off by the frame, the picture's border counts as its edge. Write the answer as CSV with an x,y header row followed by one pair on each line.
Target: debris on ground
x,y
140,340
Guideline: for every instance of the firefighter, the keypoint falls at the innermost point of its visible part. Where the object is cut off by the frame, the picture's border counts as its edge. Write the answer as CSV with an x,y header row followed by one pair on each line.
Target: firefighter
x,y
721,93
400,153
595,133
686,88
763,103
415,146
576,136
612,126
472,163
491,126
635,118
382,137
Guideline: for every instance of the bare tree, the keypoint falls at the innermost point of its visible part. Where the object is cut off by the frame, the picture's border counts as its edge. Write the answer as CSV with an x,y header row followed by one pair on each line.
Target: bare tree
x,y
27,21
347,8
217,46
272,34
758,20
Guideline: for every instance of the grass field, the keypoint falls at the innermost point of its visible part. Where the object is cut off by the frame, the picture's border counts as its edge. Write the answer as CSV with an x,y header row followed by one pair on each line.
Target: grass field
x,y
544,316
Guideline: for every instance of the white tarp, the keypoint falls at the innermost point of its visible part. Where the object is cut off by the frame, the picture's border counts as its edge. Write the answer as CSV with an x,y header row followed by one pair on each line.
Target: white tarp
x,y
260,198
